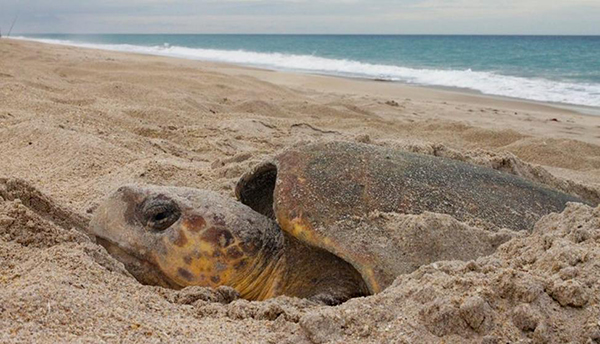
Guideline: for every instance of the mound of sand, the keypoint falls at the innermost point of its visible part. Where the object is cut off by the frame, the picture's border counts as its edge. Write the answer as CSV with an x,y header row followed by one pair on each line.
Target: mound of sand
x,y
57,284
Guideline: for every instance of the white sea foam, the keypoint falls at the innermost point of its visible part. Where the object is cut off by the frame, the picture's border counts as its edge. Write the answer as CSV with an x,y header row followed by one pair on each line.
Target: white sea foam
x,y
538,89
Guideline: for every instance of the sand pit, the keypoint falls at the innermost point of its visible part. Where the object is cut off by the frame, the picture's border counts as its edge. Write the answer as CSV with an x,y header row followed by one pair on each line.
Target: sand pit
x,y
75,124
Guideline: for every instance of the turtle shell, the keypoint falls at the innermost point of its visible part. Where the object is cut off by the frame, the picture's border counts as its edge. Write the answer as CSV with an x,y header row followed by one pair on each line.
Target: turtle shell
x,y
315,191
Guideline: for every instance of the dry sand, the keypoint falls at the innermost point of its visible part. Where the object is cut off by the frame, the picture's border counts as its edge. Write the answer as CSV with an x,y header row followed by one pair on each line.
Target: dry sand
x,y
76,124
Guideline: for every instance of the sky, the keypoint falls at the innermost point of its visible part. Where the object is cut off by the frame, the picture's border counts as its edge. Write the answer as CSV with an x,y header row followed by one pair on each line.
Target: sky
x,y
565,17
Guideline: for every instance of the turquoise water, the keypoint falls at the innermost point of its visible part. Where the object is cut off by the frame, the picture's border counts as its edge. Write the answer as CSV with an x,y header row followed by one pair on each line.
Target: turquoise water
x,y
561,69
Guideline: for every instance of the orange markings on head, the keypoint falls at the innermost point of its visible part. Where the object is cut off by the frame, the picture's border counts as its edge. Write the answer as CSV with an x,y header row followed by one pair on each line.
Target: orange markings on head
x,y
218,237
194,223
181,239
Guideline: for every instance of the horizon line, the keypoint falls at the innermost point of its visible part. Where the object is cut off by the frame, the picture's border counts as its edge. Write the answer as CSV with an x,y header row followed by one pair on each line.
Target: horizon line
x,y
312,34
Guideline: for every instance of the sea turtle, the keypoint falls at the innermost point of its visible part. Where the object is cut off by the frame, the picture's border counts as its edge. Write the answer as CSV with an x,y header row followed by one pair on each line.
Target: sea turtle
x,y
304,225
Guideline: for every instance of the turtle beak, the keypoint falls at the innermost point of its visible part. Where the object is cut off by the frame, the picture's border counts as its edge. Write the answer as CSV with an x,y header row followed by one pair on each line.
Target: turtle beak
x,y
114,222
141,269
115,218
116,228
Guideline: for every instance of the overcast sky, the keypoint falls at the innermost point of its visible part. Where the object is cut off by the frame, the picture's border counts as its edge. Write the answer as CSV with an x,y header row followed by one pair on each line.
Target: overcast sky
x,y
304,16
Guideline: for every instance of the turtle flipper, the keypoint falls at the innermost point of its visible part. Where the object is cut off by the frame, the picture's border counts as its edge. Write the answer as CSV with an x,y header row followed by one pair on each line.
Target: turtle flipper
x,y
255,189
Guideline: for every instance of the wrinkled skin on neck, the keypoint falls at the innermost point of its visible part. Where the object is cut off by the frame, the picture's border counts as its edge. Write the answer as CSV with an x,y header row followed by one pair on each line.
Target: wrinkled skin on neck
x,y
178,237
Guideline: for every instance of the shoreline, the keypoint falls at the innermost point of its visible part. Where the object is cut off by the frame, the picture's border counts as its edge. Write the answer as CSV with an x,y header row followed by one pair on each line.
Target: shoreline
x,y
581,109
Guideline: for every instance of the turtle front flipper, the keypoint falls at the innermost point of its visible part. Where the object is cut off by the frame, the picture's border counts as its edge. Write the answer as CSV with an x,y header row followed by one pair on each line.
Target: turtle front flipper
x,y
268,188
255,189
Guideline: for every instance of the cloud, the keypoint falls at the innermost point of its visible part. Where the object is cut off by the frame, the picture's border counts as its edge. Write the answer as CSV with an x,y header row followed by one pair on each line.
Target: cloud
x,y
304,16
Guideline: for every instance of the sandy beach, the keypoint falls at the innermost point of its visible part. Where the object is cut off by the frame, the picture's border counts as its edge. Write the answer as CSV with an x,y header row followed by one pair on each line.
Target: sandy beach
x,y
75,124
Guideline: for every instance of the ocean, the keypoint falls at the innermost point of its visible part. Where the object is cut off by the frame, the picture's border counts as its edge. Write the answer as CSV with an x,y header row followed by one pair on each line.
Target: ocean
x,y
558,69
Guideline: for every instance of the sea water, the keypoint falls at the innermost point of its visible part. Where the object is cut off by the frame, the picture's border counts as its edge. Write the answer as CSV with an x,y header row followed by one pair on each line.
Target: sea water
x,y
559,69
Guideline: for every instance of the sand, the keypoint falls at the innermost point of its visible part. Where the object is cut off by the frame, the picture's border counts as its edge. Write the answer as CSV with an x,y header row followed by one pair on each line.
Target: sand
x,y
76,123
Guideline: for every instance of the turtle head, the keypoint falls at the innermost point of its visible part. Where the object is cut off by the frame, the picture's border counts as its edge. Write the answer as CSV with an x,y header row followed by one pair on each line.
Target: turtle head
x,y
177,237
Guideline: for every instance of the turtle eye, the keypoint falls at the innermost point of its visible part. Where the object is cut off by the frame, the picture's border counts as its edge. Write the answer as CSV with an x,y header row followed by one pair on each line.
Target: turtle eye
x,y
160,213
